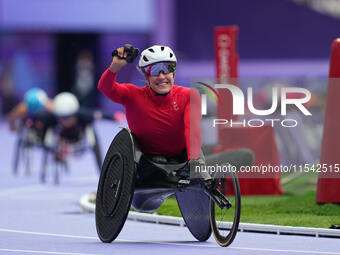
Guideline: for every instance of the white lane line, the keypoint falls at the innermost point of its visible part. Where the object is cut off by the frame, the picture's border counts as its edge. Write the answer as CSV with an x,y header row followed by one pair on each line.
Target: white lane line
x,y
45,252
17,190
292,251
169,243
45,234
46,196
235,248
83,180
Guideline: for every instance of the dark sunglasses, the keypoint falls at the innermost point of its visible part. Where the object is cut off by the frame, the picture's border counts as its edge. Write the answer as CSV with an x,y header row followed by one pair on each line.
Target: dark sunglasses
x,y
155,69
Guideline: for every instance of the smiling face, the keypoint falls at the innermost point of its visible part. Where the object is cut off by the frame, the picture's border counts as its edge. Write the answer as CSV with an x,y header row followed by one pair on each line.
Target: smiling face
x,y
162,83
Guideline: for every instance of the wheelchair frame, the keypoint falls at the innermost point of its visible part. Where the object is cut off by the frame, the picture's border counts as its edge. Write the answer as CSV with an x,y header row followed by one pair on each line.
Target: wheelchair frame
x,y
51,148
119,185
28,138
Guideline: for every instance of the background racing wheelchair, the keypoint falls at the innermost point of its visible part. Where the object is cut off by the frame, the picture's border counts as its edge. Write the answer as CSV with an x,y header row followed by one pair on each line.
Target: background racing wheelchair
x,y
130,177
72,134
62,144
29,119
31,134
59,127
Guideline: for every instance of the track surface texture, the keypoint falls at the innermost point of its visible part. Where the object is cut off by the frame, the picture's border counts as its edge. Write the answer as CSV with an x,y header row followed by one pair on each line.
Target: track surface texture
x,y
46,219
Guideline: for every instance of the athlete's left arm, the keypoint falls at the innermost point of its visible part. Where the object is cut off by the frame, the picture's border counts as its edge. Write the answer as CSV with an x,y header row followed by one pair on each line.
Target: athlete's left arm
x,y
192,124
19,112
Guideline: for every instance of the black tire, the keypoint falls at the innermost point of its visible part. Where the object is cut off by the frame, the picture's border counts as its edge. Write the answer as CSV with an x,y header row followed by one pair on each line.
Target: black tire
x,y
97,152
225,233
22,154
17,156
44,164
27,154
57,168
115,187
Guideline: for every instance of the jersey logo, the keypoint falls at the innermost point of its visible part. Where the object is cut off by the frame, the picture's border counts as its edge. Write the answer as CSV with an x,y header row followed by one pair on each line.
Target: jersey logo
x,y
175,105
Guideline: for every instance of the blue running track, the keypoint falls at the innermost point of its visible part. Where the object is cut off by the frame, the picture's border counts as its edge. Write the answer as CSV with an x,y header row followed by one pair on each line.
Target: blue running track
x,y
46,219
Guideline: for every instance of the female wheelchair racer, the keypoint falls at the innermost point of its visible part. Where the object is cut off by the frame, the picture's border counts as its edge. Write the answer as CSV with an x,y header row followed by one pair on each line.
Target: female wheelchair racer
x,y
71,132
59,127
30,120
157,158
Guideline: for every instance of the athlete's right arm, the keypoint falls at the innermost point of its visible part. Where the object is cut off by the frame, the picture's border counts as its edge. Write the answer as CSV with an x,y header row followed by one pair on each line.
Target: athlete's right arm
x,y
117,92
117,62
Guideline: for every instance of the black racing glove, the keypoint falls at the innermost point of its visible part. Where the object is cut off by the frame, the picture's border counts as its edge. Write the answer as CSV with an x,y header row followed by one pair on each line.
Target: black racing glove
x,y
131,51
198,169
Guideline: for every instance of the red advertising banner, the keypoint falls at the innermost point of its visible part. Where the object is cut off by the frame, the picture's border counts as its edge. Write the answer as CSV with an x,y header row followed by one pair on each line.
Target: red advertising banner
x,y
226,66
226,57
328,190
226,71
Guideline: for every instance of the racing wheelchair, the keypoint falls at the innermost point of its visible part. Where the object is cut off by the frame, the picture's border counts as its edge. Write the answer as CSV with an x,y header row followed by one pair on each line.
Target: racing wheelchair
x,y
30,135
130,177
58,147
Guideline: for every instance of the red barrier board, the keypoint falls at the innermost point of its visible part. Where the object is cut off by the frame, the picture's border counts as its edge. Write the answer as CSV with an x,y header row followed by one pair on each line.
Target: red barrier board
x,y
262,142
226,57
226,66
328,189
226,71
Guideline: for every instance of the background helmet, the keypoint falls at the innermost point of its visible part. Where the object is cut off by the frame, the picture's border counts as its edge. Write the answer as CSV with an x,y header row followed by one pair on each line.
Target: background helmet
x,y
155,54
35,100
65,104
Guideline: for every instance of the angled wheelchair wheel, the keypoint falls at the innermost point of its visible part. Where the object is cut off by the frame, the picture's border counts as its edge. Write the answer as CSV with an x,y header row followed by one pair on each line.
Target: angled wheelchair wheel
x,y
17,156
225,221
22,154
115,187
194,207
97,151
44,165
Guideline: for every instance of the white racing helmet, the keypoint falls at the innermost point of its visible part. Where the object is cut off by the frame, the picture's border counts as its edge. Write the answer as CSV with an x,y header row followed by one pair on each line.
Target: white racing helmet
x,y
65,104
155,54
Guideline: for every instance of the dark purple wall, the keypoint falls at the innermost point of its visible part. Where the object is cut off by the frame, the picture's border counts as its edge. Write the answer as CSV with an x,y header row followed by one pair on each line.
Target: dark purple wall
x,y
28,60
268,28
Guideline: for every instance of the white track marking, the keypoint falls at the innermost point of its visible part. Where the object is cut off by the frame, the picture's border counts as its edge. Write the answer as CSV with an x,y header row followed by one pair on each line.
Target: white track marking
x,y
17,191
45,252
45,234
40,187
83,180
235,248
165,243
292,251
46,196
